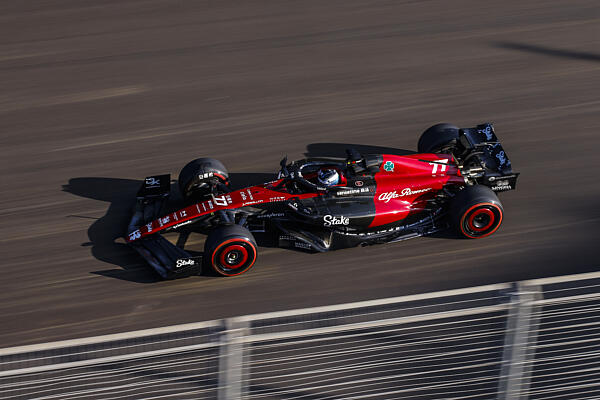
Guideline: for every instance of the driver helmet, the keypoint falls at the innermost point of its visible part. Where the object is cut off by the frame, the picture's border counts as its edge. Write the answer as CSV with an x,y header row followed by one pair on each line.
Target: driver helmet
x,y
328,177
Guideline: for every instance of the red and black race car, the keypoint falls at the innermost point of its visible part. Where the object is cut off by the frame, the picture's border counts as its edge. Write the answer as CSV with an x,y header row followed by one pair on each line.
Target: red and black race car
x,y
321,204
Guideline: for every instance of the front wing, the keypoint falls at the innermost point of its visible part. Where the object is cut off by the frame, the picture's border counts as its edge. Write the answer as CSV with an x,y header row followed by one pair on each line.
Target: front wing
x,y
169,260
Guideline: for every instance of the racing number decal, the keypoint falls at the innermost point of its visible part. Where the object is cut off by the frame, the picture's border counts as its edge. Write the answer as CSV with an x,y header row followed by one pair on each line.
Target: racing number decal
x,y
224,200
441,163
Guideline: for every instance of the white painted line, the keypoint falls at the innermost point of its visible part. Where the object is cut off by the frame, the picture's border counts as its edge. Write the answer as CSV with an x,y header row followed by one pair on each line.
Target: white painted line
x,y
569,299
104,360
562,278
108,338
370,324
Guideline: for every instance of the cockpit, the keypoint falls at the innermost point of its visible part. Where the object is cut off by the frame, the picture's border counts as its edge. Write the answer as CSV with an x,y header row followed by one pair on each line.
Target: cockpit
x,y
325,174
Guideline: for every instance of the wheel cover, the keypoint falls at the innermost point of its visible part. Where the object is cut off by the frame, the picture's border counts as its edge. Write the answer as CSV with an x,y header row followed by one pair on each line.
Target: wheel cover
x,y
233,257
481,220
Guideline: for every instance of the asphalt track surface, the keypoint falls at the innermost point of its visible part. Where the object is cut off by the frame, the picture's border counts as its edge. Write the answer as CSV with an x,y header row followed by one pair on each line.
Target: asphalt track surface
x,y
97,95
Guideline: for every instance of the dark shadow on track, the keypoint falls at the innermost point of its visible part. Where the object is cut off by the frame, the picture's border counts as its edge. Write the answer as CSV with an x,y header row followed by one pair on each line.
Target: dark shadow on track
x,y
579,55
104,232
339,150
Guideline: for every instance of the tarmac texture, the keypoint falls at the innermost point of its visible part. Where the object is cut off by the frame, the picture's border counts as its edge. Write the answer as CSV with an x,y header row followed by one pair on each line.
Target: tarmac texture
x,y
96,96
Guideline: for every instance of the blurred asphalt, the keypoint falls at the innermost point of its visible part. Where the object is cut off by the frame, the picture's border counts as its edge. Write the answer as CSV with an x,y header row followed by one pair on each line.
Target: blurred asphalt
x,y
97,95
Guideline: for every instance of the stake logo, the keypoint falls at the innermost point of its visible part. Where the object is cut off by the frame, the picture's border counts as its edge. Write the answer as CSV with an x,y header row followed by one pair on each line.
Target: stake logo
x,y
185,262
152,182
329,220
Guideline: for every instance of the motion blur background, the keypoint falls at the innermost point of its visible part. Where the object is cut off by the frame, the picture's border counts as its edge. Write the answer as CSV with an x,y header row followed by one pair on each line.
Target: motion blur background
x,y
97,95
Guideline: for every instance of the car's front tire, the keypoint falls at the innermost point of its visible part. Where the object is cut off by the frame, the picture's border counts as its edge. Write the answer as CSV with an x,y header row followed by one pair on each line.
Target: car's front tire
x,y
230,250
198,177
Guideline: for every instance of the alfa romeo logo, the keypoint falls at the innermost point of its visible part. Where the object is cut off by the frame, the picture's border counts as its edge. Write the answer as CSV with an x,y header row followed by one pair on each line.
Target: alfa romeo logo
x,y
388,166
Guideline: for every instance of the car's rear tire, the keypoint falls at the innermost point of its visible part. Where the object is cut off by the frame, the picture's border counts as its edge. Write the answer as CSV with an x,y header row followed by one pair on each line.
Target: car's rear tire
x,y
438,139
230,250
198,177
476,212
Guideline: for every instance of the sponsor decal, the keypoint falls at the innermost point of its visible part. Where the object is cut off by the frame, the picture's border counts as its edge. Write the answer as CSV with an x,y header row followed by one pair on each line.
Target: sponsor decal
x,y
330,220
183,262
352,191
390,230
388,166
135,235
243,195
487,131
152,182
278,198
271,215
250,194
149,227
248,203
182,224
501,186
387,196
302,245
206,175
358,183
164,220
501,157
286,237
175,216
210,204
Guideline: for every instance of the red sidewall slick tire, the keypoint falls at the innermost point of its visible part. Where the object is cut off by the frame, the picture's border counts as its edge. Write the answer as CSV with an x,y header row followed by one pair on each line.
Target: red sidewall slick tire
x,y
230,250
233,257
481,220
476,212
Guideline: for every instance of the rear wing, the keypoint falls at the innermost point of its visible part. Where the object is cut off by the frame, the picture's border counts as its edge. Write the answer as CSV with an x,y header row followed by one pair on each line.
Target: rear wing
x,y
484,158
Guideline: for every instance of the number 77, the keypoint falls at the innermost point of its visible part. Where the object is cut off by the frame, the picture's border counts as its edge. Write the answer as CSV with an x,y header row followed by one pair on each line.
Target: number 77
x,y
441,163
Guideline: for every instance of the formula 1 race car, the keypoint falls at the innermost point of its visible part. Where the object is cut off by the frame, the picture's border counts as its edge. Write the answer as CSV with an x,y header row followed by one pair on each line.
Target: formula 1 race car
x,y
321,204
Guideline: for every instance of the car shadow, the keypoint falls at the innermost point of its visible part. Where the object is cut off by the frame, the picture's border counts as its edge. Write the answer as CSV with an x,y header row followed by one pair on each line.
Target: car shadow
x,y
106,232
549,51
